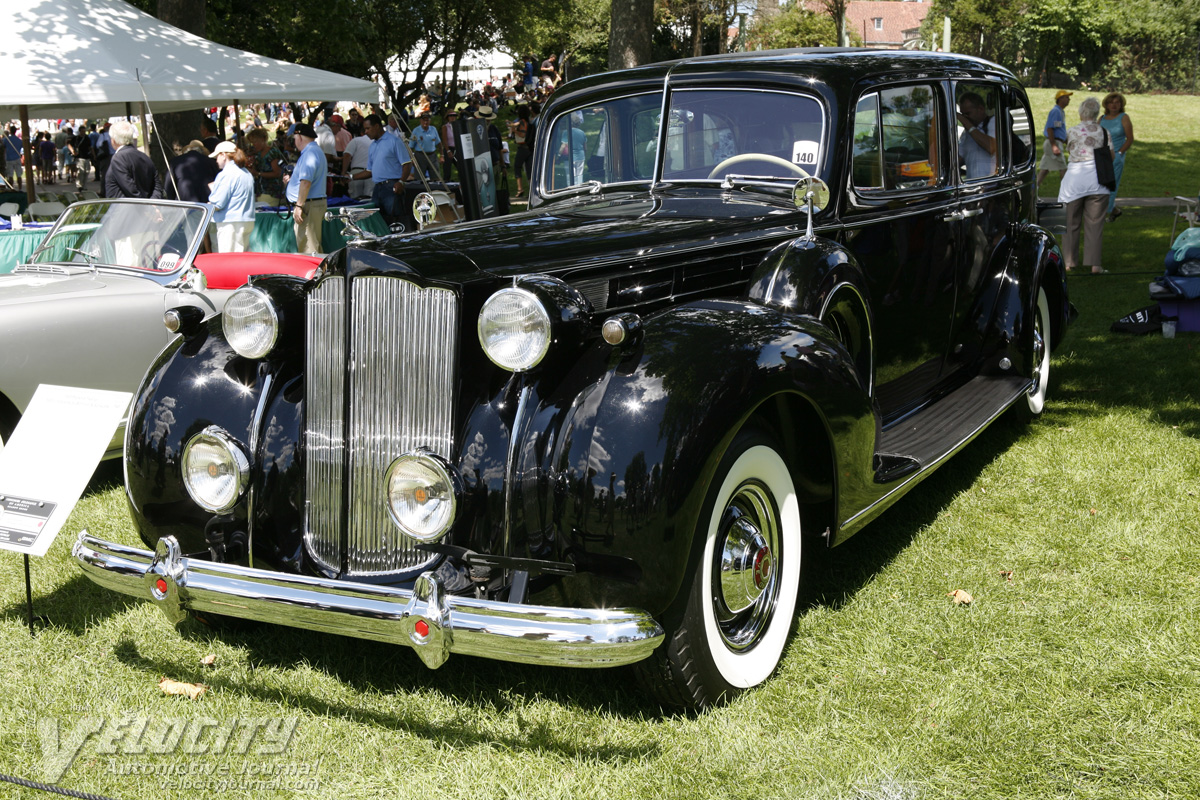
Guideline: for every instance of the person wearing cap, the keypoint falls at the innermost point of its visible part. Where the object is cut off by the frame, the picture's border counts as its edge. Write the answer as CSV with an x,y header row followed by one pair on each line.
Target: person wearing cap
x,y
232,195
1056,138
341,136
130,173
425,144
305,189
388,166
448,143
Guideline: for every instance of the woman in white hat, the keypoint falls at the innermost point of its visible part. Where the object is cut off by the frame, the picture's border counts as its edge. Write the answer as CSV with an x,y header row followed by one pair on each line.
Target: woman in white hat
x,y
232,194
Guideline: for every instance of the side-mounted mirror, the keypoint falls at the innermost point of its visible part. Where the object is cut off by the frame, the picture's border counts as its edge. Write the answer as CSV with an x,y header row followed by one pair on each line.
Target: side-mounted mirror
x,y
424,209
813,193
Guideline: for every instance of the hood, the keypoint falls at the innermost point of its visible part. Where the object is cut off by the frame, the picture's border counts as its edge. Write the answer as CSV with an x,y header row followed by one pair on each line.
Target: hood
x,y
33,287
576,234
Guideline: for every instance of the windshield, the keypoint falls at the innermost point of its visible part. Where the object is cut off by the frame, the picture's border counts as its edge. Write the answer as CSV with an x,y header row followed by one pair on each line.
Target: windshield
x,y
149,237
711,133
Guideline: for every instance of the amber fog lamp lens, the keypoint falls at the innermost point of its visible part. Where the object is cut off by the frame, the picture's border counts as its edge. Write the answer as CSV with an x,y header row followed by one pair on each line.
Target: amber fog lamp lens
x,y
250,322
514,329
421,498
215,470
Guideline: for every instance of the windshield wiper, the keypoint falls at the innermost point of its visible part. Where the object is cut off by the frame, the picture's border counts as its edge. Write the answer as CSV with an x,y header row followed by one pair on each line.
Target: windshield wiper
x,y
90,258
732,181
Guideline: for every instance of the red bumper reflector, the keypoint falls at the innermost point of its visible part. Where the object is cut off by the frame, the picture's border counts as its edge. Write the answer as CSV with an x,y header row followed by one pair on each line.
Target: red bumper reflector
x,y
422,628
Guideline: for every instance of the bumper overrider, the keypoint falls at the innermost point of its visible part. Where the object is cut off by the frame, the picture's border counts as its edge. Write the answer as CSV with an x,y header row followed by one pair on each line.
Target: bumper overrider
x,y
424,618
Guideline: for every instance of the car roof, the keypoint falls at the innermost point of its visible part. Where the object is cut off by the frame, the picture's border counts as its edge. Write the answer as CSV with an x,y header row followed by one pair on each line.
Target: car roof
x,y
836,64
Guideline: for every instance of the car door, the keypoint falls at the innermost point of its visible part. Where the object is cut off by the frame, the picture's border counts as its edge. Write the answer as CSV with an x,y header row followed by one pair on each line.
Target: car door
x,y
989,201
901,223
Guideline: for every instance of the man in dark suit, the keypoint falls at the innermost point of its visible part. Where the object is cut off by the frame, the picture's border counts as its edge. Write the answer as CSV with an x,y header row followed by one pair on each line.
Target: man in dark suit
x,y
193,171
131,173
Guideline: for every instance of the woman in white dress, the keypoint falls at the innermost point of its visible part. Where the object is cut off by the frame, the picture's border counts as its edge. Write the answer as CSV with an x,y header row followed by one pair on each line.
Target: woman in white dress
x,y
1085,199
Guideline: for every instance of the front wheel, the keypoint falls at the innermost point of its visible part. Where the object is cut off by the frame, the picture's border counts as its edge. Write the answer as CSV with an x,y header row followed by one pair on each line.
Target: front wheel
x,y
743,593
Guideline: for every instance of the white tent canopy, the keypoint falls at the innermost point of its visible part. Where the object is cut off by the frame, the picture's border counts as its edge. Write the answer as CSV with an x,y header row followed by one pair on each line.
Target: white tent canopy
x,y
60,56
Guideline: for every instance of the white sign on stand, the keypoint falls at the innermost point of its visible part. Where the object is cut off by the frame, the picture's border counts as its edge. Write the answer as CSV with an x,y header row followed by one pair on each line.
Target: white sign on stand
x,y
46,465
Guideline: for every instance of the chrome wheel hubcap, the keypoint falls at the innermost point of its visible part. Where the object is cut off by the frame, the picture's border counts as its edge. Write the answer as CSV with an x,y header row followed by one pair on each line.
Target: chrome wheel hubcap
x,y
746,584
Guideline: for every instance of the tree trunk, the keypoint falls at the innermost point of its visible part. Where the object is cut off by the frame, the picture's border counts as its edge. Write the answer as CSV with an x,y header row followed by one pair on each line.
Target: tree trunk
x,y
179,127
630,33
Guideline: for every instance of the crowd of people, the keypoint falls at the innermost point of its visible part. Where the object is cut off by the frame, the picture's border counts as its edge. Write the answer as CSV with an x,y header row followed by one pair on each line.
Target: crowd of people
x,y
275,156
1072,153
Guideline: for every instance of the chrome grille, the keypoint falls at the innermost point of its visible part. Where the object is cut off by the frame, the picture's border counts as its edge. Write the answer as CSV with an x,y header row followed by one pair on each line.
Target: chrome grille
x,y
400,357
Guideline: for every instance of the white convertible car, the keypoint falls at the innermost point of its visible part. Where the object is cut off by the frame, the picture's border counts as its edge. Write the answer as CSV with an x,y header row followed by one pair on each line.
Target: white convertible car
x,y
88,307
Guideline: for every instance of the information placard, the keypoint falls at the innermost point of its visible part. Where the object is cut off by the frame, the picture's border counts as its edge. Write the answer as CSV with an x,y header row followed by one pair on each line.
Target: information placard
x,y
46,464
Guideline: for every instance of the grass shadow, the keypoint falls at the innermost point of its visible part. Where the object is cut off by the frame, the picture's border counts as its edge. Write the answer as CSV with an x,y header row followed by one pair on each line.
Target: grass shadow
x,y
847,568
371,667
73,606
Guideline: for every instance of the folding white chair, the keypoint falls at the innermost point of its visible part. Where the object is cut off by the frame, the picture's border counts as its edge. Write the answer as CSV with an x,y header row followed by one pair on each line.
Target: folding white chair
x,y
45,212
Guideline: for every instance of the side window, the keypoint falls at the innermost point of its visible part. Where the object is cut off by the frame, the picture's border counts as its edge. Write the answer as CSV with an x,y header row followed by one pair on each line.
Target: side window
x,y
868,165
1021,134
895,140
579,146
979,124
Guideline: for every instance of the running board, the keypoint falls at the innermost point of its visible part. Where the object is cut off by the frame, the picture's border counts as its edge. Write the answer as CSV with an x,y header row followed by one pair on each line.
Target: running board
x,y
923,439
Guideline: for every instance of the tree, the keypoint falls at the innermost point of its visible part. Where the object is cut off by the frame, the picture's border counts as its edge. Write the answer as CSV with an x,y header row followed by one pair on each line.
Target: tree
x,y
793,26
179,126
631,33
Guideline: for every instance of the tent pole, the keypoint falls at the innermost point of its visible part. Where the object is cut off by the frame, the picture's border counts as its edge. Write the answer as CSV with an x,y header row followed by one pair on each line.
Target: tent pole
x,y
30,194
145,130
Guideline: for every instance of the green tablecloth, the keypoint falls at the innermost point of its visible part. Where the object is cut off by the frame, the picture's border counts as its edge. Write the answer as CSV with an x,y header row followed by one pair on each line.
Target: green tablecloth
x,y
15,246
274,233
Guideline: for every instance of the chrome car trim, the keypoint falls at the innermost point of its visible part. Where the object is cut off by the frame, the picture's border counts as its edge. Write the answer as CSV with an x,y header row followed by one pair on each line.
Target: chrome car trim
x,y
424,618
324,428
255,439
395,374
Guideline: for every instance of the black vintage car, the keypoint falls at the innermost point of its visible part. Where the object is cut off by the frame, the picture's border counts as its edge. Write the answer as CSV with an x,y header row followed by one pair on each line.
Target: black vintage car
x,y
756,299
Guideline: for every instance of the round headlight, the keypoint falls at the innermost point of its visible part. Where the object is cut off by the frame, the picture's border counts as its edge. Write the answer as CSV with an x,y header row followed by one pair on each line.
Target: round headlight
x,y
250,322
514,329
215,470
421,497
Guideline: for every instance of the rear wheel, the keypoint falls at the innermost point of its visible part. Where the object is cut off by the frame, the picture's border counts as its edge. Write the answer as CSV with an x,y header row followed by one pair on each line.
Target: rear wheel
x,y
1034,401
742,597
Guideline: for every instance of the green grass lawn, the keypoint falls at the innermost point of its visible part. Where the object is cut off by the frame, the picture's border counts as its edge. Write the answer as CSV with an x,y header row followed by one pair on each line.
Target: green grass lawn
x,y
1075,673
1161,162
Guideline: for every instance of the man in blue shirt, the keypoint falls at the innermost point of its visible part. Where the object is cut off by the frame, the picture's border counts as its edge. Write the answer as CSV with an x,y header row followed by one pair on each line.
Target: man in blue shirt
x,y
426,142
306,189
388,166
1056,138
12,157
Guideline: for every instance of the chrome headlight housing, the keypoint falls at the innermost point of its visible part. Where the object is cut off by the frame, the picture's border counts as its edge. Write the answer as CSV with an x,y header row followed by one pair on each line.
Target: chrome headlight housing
x,y
514,329
422,495
215,470
250,322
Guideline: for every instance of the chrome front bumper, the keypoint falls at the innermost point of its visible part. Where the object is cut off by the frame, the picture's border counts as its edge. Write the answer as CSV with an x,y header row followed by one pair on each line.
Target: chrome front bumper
x,y
424,618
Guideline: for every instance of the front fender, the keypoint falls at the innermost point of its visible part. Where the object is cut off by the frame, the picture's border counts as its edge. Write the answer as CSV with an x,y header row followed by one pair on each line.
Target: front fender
x,y
615,466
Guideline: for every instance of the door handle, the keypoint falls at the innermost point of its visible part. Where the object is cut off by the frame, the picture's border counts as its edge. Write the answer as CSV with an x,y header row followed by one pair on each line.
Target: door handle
x,y
974,212
953,216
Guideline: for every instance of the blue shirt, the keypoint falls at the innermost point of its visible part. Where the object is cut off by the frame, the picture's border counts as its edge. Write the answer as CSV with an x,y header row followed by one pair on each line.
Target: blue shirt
x,y
233,196
1056,124
311,166
425,139
12,148
386,159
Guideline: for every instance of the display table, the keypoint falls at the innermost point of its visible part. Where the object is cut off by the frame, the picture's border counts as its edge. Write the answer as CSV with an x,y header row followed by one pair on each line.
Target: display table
x,y
15,246
274,232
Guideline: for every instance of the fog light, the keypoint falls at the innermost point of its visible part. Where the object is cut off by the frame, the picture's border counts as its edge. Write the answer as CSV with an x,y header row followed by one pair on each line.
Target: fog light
x,y
215,470
422,495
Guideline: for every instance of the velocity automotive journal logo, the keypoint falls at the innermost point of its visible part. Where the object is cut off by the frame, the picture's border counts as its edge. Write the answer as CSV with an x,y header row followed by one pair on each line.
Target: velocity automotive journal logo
x,y
139,735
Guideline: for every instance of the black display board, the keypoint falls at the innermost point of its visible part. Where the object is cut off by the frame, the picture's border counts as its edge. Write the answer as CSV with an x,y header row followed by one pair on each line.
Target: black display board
x,y
478,177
